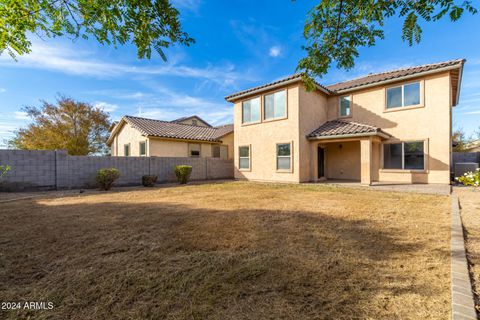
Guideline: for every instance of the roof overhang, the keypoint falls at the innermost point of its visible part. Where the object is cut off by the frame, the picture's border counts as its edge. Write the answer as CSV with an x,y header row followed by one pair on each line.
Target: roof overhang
x,y
115,130
183,139
411,76
380,134
233,98
460,73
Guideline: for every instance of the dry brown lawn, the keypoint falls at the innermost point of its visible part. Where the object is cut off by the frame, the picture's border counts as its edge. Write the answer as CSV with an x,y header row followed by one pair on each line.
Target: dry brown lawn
x,y
228,251
470,212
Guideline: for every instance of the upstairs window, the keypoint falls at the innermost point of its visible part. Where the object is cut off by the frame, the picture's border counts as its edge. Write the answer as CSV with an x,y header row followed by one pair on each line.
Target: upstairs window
x,y
194,123
275,105
284,156
404,155
404,95
344,106
143,148
251,110
194,150
126,150
244,157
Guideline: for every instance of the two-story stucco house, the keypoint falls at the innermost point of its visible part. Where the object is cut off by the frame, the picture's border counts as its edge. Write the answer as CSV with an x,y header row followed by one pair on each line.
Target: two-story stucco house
x,y
393,126
184,137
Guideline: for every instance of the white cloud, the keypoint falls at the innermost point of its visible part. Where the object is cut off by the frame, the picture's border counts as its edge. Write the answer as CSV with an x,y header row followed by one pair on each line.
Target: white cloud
x,y
105,106
274,51
472,112
20,115
192,5
76,62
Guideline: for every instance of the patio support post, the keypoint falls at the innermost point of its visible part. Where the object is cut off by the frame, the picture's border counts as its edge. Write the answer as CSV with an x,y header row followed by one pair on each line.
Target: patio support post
x,y
366,161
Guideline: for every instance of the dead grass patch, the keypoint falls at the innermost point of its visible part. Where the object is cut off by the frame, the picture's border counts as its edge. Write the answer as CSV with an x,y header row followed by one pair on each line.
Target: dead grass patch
x,y
228,251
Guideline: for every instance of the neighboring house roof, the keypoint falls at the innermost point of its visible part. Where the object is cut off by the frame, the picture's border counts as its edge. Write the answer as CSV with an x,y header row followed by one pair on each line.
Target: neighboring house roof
x,y
473,146
166,129
190,117
373,79
342,129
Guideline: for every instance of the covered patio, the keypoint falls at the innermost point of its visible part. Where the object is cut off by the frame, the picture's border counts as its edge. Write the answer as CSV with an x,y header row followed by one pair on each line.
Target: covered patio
x,y
348,151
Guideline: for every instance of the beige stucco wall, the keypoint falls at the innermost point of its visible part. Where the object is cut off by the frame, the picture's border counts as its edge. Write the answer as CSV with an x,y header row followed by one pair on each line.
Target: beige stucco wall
x,y
263,137
313,112
176,148
342,160
161,147
430,122
228,140
127,134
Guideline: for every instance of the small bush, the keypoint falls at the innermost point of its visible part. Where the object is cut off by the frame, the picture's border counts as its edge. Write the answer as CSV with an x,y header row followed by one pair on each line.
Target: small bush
x,y
183,173
3,170
106,177
149,181
470,178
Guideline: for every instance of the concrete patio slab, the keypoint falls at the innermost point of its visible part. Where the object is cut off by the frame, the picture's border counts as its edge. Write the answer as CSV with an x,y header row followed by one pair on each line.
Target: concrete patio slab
x,y
440,189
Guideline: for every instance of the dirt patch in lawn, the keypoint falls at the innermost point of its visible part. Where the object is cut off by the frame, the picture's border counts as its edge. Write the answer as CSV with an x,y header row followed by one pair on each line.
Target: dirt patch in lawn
x,y
470,212
228,251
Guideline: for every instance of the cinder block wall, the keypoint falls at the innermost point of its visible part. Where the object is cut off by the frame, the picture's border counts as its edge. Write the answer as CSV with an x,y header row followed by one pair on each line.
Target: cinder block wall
x,y
57,170
30,169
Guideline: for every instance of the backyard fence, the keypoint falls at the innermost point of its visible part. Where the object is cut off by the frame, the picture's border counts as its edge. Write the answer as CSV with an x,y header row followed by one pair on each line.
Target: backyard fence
x,y
48,169
463,157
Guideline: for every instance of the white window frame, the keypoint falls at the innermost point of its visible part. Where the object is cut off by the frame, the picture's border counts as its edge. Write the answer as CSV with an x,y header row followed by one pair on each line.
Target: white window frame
x,y
140,148
350,97
274,106
425,155
290,156
129,150
420,93
249,158
260,111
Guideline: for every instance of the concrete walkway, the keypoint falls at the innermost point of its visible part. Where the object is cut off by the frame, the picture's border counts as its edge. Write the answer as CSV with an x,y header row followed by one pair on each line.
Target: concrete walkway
x,y
440,189
463,306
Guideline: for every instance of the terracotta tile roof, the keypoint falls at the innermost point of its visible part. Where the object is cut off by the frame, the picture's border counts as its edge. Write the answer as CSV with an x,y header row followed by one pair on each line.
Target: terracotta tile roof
x,y
393,74
355,83
342,127
166,129
223,130
294,77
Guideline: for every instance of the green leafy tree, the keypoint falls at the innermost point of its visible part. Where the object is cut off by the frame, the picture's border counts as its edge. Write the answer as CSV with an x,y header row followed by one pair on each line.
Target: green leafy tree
x,y
152,24
77,127
336,29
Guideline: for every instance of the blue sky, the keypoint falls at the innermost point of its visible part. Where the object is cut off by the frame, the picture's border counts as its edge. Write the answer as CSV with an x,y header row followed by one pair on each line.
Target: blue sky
x,y
239,44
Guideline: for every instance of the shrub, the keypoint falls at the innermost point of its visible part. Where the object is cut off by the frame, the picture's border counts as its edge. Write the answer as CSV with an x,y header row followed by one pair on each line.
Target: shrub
x,y
3,170
183,173
470,178
149,181
106,177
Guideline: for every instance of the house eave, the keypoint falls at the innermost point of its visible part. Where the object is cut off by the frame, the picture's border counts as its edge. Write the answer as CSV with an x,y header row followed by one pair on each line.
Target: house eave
x,y
415,75
352,135
273,86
